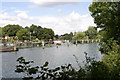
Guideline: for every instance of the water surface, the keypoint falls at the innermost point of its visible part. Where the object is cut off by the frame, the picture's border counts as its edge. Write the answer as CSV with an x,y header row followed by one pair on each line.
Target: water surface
x,y
55,56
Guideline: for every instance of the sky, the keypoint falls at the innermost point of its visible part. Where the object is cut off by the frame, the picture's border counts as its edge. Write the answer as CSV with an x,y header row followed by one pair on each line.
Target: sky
x,y
63,17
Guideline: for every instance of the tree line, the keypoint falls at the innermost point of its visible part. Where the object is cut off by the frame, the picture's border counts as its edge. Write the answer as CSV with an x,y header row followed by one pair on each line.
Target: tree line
x,y
91,33
26,33
37,32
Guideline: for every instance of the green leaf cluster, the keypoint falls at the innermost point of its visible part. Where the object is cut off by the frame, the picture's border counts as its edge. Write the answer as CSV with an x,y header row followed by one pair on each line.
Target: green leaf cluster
x,y
23,34
27,33
10,30
25,67
67,36
79,36
107,17
91,32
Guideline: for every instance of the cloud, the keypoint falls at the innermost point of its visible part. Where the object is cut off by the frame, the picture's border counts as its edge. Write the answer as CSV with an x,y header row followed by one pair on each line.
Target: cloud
x,y
51,3
22,14
21,18
59,10
70,23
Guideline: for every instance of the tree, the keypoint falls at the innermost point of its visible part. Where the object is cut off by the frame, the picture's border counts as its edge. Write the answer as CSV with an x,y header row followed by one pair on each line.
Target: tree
x,y
10,30
56,36
107,17
45,33
79,35
23,34
100,34
91,32
49,32
112,59
33,30
67,36
27,28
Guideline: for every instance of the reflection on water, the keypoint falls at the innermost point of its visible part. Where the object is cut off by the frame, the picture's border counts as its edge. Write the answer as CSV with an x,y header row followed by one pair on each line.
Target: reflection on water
x,y
55,56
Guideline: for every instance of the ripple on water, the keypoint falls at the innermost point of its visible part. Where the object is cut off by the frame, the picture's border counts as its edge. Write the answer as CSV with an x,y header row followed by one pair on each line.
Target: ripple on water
x,y
55,56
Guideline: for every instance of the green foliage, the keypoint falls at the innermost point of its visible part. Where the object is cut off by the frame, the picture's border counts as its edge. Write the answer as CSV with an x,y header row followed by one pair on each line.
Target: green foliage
x,y
113,63
64,72
67,36
98,70
4,41
27,28
111,49
25,67
33,30
107,17
56,37
11,39
112,57
91,32
61,73
110,46
99,36
10,30
41,33
45,34
79,36
23,34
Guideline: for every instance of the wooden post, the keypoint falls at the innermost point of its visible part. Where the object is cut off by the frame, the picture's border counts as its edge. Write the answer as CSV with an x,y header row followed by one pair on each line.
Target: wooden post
x,y
43,44
76,43
56,46
82,41
92,40
87,41
37,45
15,46
68,43
96,40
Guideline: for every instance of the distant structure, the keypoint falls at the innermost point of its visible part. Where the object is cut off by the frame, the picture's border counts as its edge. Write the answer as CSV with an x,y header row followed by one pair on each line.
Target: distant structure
x,y
60,36
74,33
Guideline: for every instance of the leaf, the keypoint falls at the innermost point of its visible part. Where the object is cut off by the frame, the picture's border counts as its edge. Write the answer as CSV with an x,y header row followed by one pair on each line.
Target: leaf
x,y
33,70
46,64
26,63
19,66
19,70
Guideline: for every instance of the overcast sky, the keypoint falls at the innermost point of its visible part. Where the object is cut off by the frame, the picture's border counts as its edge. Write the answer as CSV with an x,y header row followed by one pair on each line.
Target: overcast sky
x,y
62,17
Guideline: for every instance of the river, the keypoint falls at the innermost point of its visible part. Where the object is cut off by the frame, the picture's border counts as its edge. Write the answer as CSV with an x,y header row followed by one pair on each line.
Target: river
x,y
55,56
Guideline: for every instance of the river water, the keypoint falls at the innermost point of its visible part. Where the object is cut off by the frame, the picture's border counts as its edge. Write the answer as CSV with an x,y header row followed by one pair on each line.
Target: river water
x,y
55,56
